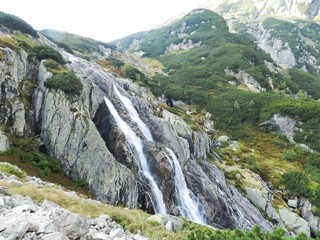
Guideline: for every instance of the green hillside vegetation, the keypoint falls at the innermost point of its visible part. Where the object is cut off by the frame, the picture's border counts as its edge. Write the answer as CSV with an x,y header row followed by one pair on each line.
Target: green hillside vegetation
x,y
72,42
198,76
305,81
16,23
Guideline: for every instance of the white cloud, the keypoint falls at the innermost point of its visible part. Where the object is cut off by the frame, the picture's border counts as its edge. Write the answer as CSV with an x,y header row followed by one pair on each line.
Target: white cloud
x,y
98,19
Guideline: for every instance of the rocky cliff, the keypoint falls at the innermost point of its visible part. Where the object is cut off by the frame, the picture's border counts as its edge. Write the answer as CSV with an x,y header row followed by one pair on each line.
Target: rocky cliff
x,y
83,134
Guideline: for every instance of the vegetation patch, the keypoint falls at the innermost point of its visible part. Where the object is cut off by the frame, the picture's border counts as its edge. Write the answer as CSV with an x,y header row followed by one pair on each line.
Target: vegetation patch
x,y
11,170
67,82
296,184
34,163
54,67
72,42
24,42
133,73
46,52
16,23
7,42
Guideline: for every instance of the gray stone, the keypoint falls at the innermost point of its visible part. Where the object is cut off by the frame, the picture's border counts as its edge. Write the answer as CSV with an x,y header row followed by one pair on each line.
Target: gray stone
x,y
169,226
102,236
164,219
70,224
19,120
4,142
286,124
223,138
294,223
14,182
47,227
55,236
306,213
293,203
15,229
25,208
117,232
247,79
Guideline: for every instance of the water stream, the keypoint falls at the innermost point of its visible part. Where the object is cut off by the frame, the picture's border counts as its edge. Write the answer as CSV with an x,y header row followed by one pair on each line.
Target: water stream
x,y
187,202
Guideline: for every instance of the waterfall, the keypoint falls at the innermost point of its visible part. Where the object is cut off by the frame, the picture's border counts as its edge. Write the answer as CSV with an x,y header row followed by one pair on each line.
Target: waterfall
x,y
136,147
134,114
188,204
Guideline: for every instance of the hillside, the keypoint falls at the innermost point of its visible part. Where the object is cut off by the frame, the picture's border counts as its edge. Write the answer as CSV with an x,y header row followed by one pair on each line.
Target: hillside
x,y
187,120
260,85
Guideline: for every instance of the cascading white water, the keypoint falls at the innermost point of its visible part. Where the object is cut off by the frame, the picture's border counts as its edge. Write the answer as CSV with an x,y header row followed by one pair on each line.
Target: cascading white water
x,y
136,146
187,201
188,204
134,114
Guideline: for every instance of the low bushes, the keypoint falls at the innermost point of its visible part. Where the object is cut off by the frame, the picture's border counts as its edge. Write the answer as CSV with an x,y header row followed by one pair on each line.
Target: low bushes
x,y
67,82
46,52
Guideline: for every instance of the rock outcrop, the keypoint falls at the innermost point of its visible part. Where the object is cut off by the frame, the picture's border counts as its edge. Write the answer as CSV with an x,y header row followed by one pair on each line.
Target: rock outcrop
x,y
23,218
254,9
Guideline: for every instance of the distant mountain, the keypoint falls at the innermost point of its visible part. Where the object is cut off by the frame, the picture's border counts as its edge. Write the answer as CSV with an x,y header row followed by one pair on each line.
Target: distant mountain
x,y
248,10
72,42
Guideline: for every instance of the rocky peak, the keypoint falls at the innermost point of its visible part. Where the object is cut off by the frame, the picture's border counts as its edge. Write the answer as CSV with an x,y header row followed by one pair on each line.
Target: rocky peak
x,y
255,10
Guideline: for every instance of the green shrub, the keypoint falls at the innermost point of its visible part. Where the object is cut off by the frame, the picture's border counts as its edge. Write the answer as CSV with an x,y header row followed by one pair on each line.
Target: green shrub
x,y
312,167
288,155
255,233
16,23
296,184
46,52
67,82
115,62
134,73
45,164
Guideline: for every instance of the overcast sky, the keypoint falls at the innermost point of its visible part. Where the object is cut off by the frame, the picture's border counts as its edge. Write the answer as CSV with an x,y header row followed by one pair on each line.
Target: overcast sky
x,y
104,20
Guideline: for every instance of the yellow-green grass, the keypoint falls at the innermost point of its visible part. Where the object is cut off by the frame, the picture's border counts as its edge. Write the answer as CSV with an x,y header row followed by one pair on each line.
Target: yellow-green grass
x,y
7,42
23,41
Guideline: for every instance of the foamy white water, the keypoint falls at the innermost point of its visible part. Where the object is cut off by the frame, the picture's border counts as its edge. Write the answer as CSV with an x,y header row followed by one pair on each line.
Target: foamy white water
x,y
136,146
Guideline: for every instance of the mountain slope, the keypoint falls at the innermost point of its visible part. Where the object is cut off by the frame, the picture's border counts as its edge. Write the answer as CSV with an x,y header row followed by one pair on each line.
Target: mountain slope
x,y
248,92
134,149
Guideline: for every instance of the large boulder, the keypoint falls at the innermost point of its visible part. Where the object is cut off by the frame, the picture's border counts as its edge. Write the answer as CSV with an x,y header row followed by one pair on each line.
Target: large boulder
x,y
163,219
293,222
305,208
